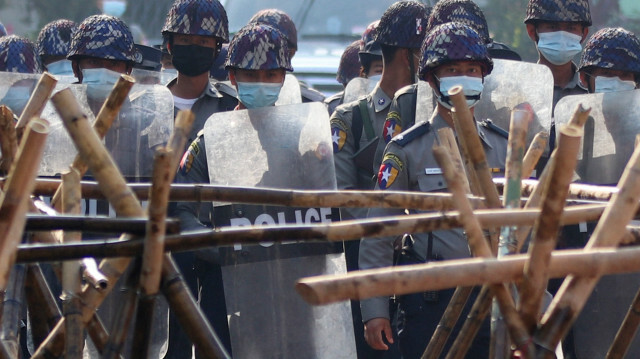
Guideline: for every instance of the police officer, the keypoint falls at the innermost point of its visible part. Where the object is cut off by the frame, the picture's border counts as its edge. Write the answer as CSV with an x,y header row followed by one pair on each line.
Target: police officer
x,y
558,28
53,46
611,61
18,54
452,54
280,20
348,69
469,13
257,61
194,31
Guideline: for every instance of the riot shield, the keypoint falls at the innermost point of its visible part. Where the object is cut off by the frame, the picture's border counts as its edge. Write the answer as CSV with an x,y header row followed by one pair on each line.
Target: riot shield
x,y
512,83
277,147
144,123
425,103
357,88
147,77
15,90
290,92
609,134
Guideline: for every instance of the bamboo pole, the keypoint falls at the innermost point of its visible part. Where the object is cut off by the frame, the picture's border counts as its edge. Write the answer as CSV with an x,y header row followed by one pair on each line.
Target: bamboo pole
x,y
358,285
102,224
71,284
480,248
98,333
547,226
189,314
124,315
479,311
12,312
627,331
577,191
103,122
575,290
535,151
14,200
43,309
8,139
37,101
448,140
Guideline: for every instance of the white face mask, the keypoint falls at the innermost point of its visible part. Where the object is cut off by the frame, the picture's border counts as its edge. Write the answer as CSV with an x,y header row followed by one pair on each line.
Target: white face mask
x,y
60,68
559,47
471,87
613,84
99,76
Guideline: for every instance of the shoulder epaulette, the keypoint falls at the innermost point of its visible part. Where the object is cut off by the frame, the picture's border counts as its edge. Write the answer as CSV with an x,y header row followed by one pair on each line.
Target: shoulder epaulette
x,y
226,89
409,89
488,124
412,133
335,97
311,95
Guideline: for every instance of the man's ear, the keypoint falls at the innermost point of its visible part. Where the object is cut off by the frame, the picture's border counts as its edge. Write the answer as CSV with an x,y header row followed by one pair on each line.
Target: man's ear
x,y
531,31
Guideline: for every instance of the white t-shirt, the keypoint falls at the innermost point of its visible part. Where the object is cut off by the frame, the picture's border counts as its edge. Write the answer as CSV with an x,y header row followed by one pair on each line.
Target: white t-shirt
x,y
183,103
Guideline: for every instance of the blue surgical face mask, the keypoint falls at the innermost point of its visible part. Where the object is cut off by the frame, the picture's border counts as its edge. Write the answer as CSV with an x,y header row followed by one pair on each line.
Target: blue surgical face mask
x,y
114,7
99,76
559,47
60,68
258,94
471,87
375,78
613,84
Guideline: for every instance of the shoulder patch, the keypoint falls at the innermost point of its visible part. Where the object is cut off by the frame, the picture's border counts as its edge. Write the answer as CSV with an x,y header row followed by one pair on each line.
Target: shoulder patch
x,y
189,156
389,169
392,126
411,134
338,134
488,124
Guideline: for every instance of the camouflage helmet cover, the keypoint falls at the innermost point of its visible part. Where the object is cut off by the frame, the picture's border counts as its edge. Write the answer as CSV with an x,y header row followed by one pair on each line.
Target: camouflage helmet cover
x,y
349,63
403,24
104,37
280,20
18,54
612,48
559,11
55,37
463,11
197,17
258,47
453,41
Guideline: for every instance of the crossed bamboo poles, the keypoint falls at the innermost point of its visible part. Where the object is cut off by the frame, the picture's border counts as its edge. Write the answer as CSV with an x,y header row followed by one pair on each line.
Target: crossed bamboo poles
x,y
521,321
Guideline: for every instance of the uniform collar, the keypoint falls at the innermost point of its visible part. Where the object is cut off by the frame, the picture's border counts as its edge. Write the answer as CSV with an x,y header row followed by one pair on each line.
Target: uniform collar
x,y
437,122
210,90
380,99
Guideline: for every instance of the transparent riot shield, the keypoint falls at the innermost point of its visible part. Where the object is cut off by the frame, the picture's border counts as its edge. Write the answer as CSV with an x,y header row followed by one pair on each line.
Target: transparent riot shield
x,y
15,90
358,87
512,83
609,134
607,145
147,77
290,92
277,147
425,103
144,123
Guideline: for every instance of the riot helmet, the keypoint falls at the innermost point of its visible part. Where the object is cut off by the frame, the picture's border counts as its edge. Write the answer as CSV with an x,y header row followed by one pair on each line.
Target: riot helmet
x,y
558,11
462,11
349,63
53,46
18,54
370,49
104,37
258,47
403,24
280,20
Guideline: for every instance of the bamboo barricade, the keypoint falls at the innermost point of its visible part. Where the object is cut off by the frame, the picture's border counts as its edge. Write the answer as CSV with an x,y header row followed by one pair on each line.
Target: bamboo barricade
x,y
102,224
8,139
479,247
575,290
535,151
71,284
448,140
37,101
14,200
43,309
103,122
626,332
547,226
12,312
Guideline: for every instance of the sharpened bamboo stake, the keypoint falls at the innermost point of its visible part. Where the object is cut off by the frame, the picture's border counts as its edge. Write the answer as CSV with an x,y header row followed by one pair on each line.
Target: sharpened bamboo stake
x,y
547,226
480,248
71,284
8,139
37,101
575,290
103,122
14,200
535,151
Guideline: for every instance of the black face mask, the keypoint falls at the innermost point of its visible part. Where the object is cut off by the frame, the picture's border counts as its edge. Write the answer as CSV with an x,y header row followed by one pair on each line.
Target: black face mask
x,y
192,60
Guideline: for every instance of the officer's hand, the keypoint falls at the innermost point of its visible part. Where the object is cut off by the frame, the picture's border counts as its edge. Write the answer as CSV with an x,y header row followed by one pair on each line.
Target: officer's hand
x,y
373,331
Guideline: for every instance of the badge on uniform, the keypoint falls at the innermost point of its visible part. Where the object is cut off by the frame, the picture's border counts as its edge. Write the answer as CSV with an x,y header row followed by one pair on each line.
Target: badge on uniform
x,y
392,126
391,166
338,135
188,157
